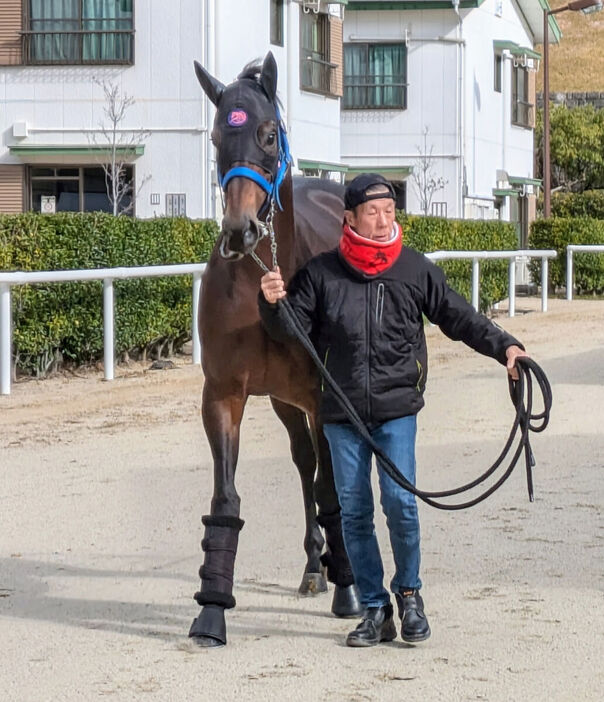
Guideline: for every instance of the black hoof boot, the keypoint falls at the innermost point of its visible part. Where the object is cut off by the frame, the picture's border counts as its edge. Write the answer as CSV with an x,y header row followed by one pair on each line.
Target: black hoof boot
x,y
312,584
209,629
346,601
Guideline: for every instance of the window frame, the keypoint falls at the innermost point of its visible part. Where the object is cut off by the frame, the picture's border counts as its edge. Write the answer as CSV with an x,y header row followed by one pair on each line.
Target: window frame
x,y
498,72
324,63
521,107
277,30
80,179
28,33
404,85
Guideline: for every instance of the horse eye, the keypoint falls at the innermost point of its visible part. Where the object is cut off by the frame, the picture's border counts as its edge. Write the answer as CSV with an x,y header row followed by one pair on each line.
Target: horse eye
x,y
270,139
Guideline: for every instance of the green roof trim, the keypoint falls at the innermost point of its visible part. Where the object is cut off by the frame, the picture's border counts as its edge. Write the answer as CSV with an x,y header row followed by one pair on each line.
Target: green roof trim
x,y
505,192
410,5
66,150
554,27
322,166
515,49
521,180
381,169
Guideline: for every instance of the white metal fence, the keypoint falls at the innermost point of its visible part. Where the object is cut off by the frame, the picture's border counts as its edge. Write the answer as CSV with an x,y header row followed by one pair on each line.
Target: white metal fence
x,y
570,250
108,275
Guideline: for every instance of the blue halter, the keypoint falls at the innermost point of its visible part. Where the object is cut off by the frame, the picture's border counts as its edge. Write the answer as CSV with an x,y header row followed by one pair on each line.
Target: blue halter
x,y
271,189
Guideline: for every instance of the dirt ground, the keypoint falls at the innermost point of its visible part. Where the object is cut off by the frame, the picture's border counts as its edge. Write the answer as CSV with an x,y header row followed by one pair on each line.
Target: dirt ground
x,y
104,484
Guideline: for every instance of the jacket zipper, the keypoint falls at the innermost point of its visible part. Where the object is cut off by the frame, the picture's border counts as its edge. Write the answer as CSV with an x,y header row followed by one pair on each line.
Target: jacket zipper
x,y
368,366
379,305
325,364
420,371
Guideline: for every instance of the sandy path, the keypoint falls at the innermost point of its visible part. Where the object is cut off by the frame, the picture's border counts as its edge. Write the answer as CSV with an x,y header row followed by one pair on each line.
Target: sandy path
x,y
103,486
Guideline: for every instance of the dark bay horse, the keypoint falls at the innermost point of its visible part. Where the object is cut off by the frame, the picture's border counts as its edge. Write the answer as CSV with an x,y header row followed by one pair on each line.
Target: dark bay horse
x,y
240,360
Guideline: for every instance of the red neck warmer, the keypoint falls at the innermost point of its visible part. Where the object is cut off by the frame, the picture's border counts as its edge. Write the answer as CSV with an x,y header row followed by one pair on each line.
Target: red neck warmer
x,y
369,256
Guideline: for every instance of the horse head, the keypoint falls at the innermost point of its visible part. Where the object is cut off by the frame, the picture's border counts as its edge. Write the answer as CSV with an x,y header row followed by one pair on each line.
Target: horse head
x,y
252,153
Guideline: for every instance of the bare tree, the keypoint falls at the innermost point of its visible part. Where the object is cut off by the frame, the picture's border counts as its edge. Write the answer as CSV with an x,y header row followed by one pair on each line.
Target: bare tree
x,y
424,178
121,144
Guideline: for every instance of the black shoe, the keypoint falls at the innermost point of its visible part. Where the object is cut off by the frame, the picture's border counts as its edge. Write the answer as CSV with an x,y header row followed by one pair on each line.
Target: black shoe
x,y
377,625
414,623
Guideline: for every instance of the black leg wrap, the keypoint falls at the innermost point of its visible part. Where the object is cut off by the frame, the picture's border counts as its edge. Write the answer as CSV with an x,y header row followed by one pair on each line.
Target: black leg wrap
x,y
222,521
335,559
220,547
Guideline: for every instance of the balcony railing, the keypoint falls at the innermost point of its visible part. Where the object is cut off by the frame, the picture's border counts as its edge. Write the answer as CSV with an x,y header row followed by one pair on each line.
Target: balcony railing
x,y
368,92
114,46
317,75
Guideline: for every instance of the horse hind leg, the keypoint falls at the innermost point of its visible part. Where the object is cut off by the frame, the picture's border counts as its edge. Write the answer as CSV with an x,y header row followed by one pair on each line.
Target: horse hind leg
x,y
222,415
303,455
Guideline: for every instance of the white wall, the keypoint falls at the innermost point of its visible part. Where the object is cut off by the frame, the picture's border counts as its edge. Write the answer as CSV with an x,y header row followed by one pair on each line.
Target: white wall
x,y
63,105
494,143
395,137
469,123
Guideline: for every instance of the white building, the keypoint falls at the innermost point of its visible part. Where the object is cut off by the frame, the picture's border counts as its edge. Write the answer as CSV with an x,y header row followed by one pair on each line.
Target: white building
x,y
447,88
55,54
464,70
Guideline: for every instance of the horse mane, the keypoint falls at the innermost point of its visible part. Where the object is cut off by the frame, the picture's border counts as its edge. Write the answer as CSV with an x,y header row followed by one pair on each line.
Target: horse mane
x,y
252,71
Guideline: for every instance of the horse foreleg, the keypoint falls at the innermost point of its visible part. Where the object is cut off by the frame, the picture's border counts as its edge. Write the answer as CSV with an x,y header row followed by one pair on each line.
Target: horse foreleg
x,y
303,455
346,602
221,418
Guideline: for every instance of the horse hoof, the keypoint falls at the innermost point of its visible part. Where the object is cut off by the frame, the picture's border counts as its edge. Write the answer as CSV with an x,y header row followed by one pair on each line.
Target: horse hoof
x,y
209,629
346,601
206,642
312,584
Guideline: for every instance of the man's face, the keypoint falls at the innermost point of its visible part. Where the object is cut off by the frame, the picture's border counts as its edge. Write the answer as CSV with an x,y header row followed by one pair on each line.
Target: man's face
x,y
373,219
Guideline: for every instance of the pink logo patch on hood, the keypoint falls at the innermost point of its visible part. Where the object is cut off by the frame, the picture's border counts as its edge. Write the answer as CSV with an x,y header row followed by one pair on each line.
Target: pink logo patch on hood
x,y
237,118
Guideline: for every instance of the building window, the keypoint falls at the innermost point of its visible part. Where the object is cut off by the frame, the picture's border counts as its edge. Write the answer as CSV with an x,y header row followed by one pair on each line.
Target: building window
x,y
79,32
277,22
522,109
74,189
375,76
498,72
317,74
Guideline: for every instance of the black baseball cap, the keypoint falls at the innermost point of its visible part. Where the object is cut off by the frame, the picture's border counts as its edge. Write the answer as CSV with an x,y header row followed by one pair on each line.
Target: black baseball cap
x,y
356,190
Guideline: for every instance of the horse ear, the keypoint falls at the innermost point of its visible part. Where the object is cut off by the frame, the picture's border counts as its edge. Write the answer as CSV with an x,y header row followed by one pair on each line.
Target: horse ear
x,y
212,87
268,77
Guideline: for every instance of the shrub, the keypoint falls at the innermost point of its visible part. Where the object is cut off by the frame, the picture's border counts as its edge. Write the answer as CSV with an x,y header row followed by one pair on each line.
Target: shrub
x,y
428,234
64,320
587,204
556,233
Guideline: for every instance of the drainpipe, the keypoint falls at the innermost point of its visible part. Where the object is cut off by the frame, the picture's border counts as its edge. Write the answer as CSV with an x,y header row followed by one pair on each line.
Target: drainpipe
x,y
292,59
459,176
210,64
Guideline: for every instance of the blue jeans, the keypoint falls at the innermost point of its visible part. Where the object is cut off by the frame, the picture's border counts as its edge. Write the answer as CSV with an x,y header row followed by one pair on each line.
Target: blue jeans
x,y
351,458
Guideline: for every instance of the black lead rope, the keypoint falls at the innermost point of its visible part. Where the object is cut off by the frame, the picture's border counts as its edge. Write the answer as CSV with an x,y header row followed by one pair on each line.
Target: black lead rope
x,y
523,422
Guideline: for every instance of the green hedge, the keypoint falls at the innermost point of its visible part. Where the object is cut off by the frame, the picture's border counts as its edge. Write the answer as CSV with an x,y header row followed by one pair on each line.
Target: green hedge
x,y
587,204
434,233
59,321
556,233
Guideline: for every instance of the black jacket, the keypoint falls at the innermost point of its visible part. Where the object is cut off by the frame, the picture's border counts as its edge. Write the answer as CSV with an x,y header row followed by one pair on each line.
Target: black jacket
x,y
369,331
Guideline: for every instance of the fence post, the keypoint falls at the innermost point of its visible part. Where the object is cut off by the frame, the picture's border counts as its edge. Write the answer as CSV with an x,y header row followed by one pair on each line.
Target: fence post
x,y
569,273
195,320
5,339
108,342
512,287
544,283
475,283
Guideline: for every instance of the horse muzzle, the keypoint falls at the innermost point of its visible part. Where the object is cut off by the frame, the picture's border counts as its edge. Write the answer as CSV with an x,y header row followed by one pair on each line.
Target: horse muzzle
x,y
238,240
